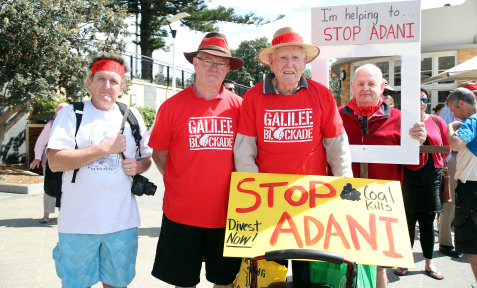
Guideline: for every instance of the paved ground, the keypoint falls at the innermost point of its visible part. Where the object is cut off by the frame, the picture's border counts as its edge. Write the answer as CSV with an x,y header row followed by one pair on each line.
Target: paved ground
x,y
26,245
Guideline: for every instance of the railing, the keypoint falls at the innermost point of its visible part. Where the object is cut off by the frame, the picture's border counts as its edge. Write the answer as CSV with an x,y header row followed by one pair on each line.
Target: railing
x,y
161,73
240,89
157,71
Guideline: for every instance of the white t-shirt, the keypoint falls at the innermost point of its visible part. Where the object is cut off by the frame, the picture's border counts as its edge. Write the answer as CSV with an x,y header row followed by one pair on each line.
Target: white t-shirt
x,y
466,168
100,201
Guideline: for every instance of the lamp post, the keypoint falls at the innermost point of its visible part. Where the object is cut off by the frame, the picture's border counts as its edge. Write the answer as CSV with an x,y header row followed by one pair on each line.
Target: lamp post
x,y
174,32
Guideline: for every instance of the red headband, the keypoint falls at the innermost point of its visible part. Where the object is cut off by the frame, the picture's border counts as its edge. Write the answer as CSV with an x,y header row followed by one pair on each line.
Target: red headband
x,y
108,65
290,37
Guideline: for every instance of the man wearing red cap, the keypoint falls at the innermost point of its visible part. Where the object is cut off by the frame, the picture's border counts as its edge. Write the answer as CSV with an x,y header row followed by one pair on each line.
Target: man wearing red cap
x,y
99,218
193,138
289,124
472,87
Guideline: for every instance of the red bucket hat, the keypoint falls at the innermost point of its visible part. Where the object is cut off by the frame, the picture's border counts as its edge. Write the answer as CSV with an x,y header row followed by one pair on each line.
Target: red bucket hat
x,y
287,37
215,44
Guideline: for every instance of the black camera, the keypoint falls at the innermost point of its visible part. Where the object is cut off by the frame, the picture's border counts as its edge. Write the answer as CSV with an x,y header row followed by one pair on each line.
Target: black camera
x,y
141,185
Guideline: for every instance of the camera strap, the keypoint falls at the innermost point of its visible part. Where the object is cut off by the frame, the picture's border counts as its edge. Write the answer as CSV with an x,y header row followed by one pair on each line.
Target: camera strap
x,y
123,123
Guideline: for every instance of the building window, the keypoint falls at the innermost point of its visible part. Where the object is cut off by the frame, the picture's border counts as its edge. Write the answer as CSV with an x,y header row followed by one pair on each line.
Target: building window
x,y
426,68
442,96
444,63
397,72
384,66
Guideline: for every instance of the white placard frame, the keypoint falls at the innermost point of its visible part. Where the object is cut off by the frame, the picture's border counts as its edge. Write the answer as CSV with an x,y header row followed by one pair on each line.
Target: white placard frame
x,y
410,52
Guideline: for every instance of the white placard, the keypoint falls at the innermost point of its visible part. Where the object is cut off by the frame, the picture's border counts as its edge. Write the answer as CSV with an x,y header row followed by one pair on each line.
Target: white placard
x,y
367,24
366,44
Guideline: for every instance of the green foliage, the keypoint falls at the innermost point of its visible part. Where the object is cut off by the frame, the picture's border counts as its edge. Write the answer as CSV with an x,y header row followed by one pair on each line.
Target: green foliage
x,y
307,73
43,45
154,27
251,70
335,87
148,114
44,109
45,105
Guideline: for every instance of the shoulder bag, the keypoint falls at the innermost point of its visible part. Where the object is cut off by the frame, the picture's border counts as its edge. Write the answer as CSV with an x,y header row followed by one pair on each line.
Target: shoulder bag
x,y
445,183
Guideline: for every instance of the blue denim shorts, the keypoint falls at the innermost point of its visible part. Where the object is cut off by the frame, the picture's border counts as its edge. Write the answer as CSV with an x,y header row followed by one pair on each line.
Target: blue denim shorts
x,y
83,260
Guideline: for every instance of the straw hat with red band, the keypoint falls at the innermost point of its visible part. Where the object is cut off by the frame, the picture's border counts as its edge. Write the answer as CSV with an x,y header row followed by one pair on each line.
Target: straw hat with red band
x,y
215,44
287,37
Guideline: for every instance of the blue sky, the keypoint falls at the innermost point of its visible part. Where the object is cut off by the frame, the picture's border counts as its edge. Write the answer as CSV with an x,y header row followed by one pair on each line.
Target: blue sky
x,y
297,14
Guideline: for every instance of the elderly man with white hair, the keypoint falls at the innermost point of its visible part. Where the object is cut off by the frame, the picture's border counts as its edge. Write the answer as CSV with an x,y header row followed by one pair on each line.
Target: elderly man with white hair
x,y
289,124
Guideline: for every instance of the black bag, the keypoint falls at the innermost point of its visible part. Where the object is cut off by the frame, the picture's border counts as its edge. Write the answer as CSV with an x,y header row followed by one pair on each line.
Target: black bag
x,y
53,180
52,183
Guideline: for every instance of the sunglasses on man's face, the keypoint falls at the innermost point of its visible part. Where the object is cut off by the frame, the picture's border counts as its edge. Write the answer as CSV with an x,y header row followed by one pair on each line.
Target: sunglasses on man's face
x,y
425,100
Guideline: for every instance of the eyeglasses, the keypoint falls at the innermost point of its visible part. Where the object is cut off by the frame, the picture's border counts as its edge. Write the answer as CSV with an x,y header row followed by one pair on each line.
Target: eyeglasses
x,y
209,63
425,100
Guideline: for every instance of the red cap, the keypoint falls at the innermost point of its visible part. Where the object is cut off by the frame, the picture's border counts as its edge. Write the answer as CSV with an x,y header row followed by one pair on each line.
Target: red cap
x,y
472,87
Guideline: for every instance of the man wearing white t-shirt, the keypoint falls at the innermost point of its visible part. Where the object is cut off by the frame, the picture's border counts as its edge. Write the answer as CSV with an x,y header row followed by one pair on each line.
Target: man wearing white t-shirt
x,y
99,216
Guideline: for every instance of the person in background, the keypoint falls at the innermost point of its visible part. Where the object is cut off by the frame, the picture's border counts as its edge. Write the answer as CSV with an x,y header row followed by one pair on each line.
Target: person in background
x,y
388,92
462,137
390,101
368,121
193,139
446,244
229,85
41,157
437,109
421,188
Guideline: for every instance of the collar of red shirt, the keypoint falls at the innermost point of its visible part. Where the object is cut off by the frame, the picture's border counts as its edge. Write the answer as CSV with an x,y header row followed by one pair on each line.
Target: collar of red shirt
x,y
268,87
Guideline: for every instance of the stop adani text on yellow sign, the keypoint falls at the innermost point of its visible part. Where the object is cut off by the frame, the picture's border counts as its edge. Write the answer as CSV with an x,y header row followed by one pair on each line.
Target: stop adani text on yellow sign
x,y
361,219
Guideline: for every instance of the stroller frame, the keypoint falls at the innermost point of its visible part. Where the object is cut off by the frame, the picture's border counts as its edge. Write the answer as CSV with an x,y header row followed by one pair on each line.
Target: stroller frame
x,y
303,254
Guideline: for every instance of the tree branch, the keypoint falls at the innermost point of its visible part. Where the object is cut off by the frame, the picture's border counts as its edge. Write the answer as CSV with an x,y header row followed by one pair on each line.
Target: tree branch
x,y
8,113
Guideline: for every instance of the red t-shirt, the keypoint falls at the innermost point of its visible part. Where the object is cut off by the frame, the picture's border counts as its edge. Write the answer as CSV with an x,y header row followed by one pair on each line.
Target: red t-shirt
x,y
199,135
290,128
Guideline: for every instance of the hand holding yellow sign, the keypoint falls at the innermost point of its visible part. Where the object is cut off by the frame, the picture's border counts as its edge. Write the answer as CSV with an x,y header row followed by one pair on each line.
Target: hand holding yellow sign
x,y
361,219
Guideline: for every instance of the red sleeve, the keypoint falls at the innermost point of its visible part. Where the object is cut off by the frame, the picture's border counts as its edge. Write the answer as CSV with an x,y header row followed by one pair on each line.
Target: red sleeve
x,y
160,137
247,125
331,124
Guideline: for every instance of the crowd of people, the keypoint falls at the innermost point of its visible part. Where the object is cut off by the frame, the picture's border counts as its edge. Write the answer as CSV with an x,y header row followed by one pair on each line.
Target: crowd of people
x,y
205,132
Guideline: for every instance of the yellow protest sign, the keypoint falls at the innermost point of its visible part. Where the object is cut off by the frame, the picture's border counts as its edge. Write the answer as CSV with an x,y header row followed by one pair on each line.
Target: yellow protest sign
x,y
361,219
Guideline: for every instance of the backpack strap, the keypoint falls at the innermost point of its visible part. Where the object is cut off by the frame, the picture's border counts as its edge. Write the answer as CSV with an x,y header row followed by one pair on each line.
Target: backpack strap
x,y
134,124
78,109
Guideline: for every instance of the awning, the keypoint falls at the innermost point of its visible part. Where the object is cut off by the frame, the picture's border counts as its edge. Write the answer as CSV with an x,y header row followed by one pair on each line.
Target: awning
x,y
464,71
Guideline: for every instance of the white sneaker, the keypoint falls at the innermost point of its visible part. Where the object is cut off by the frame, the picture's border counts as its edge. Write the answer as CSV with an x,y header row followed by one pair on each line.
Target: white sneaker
x,y
44,220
